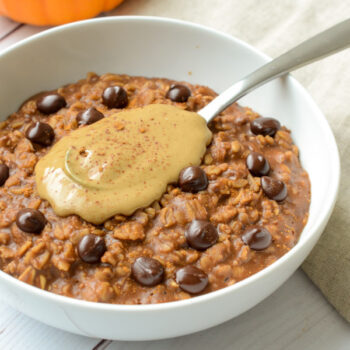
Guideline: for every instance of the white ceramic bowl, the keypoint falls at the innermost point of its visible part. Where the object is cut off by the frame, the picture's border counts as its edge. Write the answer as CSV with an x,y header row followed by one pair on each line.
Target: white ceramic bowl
x,y
184,51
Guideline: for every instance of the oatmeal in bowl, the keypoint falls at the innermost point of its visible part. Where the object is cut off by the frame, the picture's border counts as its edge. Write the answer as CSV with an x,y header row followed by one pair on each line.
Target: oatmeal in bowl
x,y
222,220
227,226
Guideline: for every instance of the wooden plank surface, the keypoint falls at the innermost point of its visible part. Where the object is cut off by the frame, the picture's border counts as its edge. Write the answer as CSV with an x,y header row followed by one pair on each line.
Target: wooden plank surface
x,y
16,34
7,27
296,317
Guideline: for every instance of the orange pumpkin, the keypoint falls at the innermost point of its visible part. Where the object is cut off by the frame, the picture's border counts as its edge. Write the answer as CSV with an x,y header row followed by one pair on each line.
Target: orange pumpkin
x,y
54,12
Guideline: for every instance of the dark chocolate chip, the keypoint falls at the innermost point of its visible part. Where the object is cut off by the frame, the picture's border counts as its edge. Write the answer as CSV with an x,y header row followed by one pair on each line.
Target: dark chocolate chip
x,y
115,97
258,238
178,93
40,133
193,179
89,116
257,164
191,279
147,271
30,220
265,126
4,173
201,234
91,248
51,103
273,188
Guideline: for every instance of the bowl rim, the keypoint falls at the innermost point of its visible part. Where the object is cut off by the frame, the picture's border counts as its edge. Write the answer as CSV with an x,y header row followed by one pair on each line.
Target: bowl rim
x,y
322,216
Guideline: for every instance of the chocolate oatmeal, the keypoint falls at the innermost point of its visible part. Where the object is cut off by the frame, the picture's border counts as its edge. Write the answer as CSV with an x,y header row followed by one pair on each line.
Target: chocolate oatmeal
x,y
238,212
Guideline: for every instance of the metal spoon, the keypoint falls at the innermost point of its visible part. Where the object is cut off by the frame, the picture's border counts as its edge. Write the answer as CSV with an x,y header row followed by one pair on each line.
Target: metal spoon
x,y
324,44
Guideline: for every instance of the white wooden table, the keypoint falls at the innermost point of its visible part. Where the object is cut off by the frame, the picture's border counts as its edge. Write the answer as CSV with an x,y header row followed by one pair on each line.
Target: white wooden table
x,y
294,317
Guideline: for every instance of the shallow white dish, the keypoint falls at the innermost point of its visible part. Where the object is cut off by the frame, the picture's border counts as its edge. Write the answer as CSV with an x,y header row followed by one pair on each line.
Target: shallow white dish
x,y
183,51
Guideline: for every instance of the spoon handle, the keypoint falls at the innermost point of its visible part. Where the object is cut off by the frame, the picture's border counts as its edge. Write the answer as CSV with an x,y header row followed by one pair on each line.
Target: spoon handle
x,y
326,43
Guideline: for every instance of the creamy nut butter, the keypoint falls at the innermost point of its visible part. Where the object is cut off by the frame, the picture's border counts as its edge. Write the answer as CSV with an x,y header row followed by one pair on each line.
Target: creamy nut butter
x,y
121,163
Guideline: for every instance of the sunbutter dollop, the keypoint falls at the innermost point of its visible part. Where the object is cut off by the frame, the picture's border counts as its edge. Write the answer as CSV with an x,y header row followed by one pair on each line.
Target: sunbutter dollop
x,y
121,163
